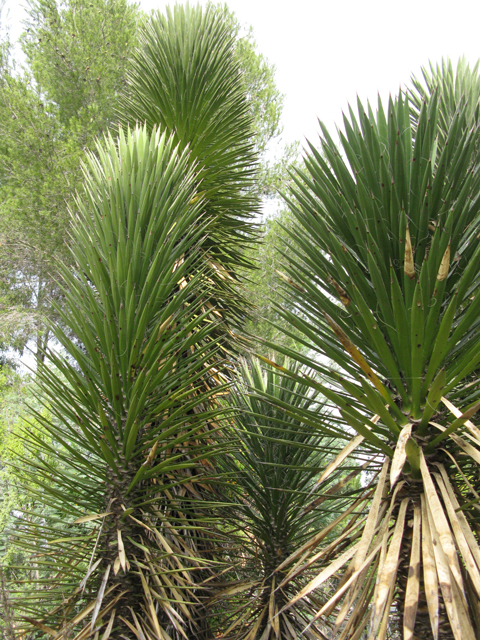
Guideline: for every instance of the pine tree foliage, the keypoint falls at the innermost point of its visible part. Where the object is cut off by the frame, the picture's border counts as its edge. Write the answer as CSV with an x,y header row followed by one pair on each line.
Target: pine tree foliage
x,y
49,112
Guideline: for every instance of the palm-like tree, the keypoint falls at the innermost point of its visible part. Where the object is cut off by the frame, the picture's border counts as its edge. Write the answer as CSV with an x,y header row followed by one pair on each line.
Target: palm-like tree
x,y
184,80
152,301
271,471
386,279
130,408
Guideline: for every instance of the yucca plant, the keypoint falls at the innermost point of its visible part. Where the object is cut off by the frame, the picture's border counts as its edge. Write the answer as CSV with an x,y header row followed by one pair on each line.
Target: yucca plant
x,y
184,80
386,279
131,413
129,547
270,475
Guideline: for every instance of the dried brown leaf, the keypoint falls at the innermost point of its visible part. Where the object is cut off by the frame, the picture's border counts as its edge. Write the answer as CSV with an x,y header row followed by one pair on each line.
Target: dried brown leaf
x,y
440,523
429,570
400,455
412,592
388,571
121,551
93,516
100,595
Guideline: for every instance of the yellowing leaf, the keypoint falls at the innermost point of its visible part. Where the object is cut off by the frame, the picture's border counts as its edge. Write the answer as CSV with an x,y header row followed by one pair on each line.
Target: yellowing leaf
x,y
444,265
94,516
356,355
409,264
342,294
400,455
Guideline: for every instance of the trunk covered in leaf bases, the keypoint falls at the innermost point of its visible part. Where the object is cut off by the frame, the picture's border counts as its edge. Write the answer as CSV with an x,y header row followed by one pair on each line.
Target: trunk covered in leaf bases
x,y
410,611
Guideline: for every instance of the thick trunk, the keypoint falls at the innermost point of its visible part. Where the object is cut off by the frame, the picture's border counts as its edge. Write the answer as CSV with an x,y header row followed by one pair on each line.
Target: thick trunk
x,y
423,628
156,562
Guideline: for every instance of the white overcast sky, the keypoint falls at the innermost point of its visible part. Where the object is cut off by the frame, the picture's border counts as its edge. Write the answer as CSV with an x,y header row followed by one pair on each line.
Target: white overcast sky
x,y
325,53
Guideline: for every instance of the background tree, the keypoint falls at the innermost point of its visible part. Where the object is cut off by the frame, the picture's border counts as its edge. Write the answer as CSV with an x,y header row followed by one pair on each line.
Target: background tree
x,y
265,291
49,114
21,505
77,54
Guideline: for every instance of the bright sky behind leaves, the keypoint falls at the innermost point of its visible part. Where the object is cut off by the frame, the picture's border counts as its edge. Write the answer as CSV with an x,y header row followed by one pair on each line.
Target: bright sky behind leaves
x,y
327,52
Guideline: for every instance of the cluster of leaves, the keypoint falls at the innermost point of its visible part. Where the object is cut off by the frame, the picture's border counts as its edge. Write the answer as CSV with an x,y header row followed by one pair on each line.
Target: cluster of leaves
x,y
271,472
